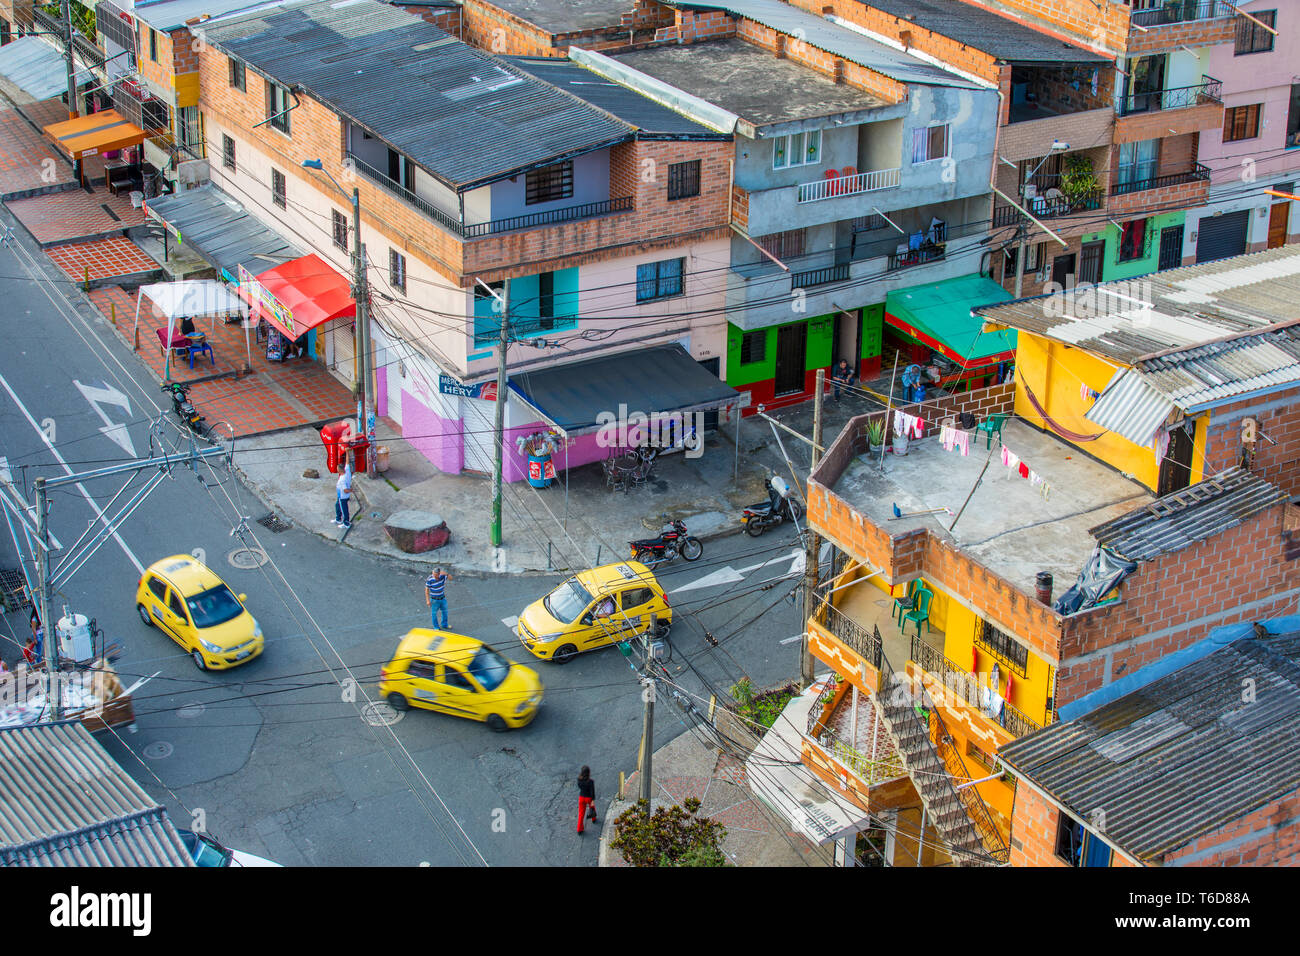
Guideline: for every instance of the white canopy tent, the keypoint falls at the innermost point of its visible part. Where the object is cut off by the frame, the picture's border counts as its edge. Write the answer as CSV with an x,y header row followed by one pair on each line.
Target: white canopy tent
x,y
192,298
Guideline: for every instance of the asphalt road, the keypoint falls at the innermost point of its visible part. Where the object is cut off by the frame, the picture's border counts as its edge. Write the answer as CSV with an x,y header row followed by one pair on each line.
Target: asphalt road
x,y
278,757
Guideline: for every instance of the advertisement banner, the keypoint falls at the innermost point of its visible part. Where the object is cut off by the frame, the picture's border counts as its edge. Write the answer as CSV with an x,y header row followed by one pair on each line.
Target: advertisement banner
x,y
484,390
271,307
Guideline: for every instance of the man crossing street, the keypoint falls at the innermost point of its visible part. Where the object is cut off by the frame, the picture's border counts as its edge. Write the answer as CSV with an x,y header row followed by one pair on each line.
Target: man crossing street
x,y
435,596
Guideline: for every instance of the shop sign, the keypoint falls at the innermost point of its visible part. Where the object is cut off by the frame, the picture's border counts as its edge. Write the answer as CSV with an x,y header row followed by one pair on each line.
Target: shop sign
x,y
450,386
262,297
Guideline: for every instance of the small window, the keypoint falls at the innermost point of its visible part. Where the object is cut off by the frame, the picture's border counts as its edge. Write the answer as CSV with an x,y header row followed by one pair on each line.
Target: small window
x,y
753,347
1034,257
783,245
279,189
422,670
929,143
1132,240
397,270
177,605
636,597
227,152
549,184
1002,646
1241,122
1069,840
153,44
1253,38
454,678
238,79
158,589
340,229
659,280
869,223
684,180
797,149
277,107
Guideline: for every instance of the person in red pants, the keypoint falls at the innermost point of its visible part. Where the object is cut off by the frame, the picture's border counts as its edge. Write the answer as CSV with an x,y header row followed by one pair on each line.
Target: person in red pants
x,y
586,798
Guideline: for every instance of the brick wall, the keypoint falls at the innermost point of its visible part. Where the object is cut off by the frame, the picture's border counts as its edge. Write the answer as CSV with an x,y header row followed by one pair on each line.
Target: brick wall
x,y
1269,836
1169,37
184,51
689,26
490,28
1103,25
1278,417
1032,139
1171,122
740,208
17,12
1144,202
838,69
1033,830
1239,575
159,74
444,18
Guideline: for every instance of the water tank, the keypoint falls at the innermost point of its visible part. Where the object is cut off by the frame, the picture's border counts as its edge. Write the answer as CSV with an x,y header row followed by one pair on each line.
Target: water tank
x,y
74,638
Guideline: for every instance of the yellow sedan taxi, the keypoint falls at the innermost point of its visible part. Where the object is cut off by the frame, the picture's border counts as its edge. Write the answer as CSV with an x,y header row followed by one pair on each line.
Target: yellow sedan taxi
x,y
462,676
187,601
594,609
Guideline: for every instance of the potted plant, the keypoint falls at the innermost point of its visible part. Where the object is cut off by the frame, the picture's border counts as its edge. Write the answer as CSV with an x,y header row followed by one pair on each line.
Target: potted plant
x,y
1079,181
875,434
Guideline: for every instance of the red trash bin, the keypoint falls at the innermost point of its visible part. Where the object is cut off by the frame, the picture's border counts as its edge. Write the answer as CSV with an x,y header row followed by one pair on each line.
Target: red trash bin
x,y
333,435
358,447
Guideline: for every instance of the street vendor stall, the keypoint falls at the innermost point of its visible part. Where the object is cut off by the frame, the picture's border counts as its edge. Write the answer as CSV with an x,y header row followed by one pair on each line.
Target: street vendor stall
x,y
189,299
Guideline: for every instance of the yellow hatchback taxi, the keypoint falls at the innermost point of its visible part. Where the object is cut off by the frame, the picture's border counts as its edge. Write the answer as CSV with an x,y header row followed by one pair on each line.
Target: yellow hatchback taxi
x,y
462,676
594,609
186,600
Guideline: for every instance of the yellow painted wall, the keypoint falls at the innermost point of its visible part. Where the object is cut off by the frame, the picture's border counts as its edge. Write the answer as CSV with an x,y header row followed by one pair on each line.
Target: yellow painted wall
x,y
187,89
1055,372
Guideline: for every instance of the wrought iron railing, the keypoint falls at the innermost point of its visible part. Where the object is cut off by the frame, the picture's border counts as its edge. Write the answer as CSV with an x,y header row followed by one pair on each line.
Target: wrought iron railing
x,y
1154,13
836,186
1198,173
50,20
150,114
813,277
449,223
850,633
585,210
109,20
1209,90
915,257
973,803
963,686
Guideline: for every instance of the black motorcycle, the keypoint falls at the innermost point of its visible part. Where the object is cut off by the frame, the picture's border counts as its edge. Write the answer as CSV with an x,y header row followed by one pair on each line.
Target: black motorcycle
x,y
672,541
779,507
184,408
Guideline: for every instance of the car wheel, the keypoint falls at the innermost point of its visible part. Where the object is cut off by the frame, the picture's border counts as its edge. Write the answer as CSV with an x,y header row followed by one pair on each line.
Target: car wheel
x,y
692,549
398,702
497,723
645,556
145,615
565,654
199,662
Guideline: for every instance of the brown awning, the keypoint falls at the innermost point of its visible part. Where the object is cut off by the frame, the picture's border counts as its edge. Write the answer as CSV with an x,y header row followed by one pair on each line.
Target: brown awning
x,y
96,133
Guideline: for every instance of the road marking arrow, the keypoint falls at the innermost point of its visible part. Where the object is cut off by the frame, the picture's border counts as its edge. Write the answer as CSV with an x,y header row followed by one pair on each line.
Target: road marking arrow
x,y
727,575
101,394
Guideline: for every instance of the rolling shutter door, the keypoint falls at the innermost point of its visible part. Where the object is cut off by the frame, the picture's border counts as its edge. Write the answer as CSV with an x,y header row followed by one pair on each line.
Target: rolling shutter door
x,y
1222,236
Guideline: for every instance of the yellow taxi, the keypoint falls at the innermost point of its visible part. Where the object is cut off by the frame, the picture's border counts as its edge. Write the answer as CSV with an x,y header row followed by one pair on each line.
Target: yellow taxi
x,y
462,676
186,600
594,609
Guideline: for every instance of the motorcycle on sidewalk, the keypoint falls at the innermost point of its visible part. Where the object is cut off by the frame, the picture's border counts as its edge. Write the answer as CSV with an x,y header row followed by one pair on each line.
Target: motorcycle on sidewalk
x,y
779,507
672,540
184,408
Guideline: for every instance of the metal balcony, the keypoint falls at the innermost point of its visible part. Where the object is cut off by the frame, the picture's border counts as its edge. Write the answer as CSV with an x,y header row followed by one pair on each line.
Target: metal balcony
x,y
586,210
450,223
1049,207
1209,90
849,185
1155,13
815,277
959,682
1198,173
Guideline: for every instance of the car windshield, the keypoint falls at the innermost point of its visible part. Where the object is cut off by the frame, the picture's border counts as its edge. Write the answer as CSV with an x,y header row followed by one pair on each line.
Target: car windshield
x,y
489,668
567,601
214,606
204,852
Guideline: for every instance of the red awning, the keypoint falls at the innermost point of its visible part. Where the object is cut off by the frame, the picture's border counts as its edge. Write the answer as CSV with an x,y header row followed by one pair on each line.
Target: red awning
x,y
310,289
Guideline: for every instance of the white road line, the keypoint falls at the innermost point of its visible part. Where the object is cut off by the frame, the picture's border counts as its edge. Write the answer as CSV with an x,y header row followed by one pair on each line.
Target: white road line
x,y
510,622
80,487
791,640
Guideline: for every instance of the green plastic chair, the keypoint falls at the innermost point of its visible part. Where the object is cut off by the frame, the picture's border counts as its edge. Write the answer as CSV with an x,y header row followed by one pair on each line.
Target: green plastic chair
x,y
919,613
991,426
907,601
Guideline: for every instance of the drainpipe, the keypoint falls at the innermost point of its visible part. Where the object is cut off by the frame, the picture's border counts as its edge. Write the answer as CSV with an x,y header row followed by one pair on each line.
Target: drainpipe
x,y
731,187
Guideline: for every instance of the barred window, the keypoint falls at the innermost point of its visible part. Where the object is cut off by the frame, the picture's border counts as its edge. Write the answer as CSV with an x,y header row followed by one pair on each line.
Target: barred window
x,y
397,270
1240,122
227,152
684,180
659,280
869,223
279,189
1003,647
783,245
753,346
340,224
549,184
1253,38
277,107
238,79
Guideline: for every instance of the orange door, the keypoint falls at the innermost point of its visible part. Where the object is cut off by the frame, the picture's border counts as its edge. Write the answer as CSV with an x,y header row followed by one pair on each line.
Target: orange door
x,y
1278,221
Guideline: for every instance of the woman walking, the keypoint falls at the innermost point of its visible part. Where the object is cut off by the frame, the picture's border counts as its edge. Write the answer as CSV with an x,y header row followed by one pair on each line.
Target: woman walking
x,y
586,798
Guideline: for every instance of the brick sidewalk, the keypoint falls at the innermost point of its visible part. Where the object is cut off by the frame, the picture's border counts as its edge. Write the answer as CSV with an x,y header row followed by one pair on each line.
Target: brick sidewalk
x,y
75,214
23,156
110,258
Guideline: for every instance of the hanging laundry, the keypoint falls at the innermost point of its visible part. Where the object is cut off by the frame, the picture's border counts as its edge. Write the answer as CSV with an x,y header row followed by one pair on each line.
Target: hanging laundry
x,y
899,418
1035,479
963,442
918,426
1006,457
947,437
1085,392
1162,444
1045,491
1024,470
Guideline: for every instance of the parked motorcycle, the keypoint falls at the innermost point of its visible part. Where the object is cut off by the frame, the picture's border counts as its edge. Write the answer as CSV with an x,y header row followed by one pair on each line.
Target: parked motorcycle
x,y
672,540
779,507
184,408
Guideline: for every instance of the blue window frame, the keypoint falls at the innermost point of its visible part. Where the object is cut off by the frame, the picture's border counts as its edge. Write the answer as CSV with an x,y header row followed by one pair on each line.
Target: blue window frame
x,y
659,280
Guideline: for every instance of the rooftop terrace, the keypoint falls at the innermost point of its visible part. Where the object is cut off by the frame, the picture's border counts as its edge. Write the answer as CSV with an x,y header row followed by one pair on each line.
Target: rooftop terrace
x,y
1008,526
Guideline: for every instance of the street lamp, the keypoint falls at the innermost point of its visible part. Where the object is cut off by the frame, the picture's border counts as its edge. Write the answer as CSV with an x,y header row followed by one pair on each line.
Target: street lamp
x,y
360,297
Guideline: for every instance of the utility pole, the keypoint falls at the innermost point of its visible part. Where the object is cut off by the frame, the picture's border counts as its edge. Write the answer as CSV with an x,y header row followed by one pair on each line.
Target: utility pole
x,y
812,542
499,427
361,344
1020,257
648,719
55,692
72,77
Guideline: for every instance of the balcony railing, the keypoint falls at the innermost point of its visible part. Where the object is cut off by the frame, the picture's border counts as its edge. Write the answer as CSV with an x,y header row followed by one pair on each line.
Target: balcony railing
x,y
866,644
849,185
915,257
814,277
961,684
1049,207
585,210
1209,90
1198,173
1154,13
51,20
449,223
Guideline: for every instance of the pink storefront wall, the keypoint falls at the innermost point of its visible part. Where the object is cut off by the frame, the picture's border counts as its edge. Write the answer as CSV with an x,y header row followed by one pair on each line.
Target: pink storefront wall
x,y
582,451
436,438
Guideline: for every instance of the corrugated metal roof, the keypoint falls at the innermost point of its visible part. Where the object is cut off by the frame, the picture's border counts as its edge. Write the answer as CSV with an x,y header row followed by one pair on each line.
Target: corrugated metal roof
x,y
628,105
167,15
1180,757
1131,320
67,803
1130,406
841,41
222,231
1193,514
34,67
461,114
1210,373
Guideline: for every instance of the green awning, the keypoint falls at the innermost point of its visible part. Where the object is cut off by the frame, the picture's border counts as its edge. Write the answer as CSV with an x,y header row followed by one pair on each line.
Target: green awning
x,y
939,315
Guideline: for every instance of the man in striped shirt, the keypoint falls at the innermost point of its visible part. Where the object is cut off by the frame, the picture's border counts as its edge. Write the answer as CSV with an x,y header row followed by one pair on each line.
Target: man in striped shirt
x,y
435,595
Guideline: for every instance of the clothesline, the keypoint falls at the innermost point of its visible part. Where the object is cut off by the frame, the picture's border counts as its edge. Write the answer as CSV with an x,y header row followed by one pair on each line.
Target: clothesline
x,y
950,438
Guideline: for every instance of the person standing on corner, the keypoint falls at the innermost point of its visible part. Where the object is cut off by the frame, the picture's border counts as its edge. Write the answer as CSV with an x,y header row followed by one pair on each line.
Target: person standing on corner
x,y
586,798
343,487
435,596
